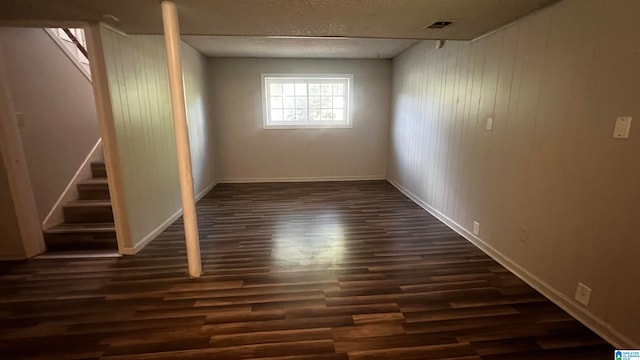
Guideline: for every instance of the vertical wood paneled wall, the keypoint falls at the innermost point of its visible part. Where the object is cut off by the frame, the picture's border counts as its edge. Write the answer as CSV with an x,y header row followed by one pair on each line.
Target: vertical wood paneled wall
x,y
139,87
554,83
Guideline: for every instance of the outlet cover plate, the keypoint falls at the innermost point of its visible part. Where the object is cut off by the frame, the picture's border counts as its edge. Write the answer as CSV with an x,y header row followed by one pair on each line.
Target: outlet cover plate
x,y
489,124
476,228
583,294
622,128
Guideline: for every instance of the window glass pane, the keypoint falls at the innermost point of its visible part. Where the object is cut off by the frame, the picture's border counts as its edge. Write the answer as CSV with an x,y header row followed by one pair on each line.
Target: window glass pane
x,y
289,102
314,114
338,114
325,89
276,102
326,115
275,89
289,115
276,115
314,102
301,102
314,89
301,89
301,115
288,89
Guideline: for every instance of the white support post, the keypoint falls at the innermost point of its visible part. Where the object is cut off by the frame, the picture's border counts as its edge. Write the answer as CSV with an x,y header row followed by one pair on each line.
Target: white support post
x,y
172,40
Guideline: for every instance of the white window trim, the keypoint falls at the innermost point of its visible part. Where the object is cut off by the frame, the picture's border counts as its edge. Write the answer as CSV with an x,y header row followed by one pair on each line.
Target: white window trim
x,y
302,125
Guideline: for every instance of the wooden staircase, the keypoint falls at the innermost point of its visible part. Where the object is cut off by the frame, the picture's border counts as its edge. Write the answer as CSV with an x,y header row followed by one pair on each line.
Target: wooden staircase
x,y
88,221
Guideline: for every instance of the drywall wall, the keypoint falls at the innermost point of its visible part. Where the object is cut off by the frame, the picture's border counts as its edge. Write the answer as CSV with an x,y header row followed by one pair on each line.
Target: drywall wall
x,y
139,88
59,124
201,131
247,152
554,83
10,239
20,231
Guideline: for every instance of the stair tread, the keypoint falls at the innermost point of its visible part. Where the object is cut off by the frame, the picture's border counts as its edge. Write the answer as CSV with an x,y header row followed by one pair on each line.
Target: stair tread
x,y
94,181
87,203
80,254
81,227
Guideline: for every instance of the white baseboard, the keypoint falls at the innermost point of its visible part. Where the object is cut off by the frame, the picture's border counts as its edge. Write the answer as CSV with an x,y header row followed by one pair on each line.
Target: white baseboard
x,y
302,179
165,224
593,322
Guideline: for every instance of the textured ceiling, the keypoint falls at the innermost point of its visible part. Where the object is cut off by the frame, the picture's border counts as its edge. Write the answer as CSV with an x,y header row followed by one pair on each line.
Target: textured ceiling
x,y
344,48
401,19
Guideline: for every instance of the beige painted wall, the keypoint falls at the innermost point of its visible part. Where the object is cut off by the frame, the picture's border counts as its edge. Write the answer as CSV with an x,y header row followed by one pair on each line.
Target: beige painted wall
x,y
247,152
59,111
554,83
10,239
139,87
20,231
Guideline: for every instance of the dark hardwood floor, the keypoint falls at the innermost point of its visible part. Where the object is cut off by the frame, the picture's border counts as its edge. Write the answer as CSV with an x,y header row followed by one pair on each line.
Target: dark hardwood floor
x,y
339,270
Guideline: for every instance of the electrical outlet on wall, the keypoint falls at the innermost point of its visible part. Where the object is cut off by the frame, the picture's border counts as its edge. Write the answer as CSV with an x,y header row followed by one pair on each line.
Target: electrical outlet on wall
x,y
476,228
583,294
489,124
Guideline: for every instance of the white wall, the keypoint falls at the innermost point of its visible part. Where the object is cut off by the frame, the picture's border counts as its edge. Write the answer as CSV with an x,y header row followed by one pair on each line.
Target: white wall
x,y
247,152
139,86
554,83
59,111
201,131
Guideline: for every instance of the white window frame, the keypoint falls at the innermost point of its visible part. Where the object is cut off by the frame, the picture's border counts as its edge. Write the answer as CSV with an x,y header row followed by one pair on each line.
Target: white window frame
x,y
266,121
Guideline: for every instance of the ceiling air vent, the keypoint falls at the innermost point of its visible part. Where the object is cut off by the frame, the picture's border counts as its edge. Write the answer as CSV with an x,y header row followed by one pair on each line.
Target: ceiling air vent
x,y
439,24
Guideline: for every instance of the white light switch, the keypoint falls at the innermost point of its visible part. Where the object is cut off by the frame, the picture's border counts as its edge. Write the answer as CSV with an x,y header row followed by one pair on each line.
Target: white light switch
x,y
623,125
489,125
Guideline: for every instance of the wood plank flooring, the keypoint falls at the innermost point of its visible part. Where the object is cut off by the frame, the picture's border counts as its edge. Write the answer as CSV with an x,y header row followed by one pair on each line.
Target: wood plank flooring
x,y
322,271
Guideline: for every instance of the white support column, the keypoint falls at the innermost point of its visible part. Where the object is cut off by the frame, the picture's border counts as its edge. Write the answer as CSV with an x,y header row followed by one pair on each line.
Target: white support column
x,y
172,40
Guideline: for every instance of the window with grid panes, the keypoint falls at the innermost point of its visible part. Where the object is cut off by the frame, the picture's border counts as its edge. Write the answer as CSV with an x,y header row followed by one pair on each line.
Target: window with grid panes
x,y
307,101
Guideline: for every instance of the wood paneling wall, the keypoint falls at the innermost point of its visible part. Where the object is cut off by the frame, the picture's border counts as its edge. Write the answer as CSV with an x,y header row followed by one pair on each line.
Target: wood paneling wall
x,y
554,83
139,87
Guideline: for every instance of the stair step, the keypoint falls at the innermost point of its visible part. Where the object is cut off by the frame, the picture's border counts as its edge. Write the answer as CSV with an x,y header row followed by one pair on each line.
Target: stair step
x,y
94,189
98,169
79,254
95,228
88,236
88,211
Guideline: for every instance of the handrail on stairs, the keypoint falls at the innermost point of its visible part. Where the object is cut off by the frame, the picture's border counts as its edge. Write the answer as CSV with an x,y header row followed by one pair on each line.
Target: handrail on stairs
x,y
76,42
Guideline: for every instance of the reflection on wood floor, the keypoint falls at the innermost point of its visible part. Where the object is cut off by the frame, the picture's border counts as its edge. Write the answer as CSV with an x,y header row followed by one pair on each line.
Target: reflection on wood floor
x,y
336,270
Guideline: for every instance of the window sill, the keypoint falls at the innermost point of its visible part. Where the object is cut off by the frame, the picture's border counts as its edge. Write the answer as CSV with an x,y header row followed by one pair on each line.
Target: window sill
x,y
306,127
